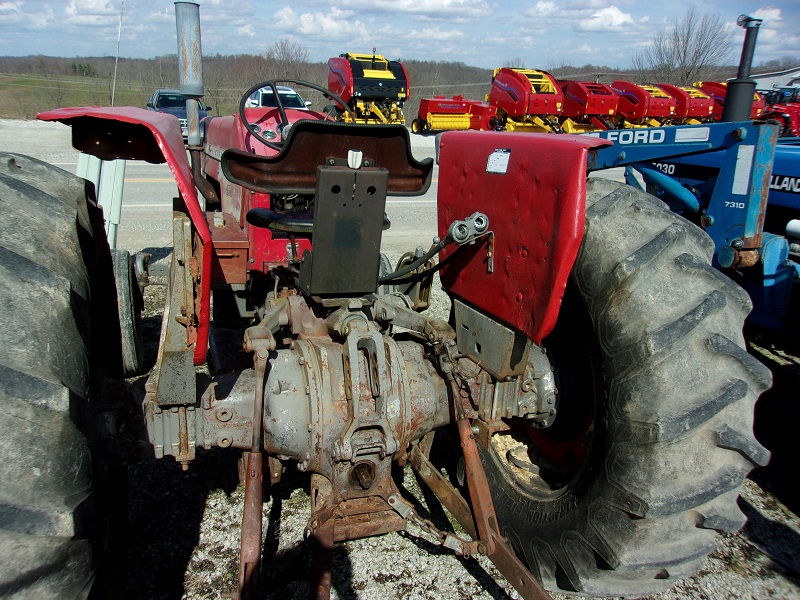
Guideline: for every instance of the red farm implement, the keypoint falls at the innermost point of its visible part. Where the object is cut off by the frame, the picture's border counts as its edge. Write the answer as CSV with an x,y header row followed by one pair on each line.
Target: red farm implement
x,y
642,105
456,113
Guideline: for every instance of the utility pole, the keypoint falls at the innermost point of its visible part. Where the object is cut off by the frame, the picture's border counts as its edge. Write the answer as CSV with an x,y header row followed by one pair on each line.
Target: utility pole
x,y
116,60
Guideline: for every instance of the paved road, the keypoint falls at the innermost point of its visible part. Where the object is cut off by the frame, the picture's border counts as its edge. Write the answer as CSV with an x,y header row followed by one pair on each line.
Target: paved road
x,y
149,189
147,209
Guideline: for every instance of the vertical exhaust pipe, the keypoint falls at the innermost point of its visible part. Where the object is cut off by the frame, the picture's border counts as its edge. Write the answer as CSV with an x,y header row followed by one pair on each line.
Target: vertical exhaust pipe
x,y
739,97
190,65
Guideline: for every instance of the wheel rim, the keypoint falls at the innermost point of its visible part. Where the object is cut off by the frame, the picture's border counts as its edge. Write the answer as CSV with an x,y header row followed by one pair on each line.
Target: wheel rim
x,y
547,463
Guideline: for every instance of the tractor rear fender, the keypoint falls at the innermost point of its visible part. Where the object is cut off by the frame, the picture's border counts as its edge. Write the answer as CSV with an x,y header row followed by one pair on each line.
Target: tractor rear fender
x,y
136,134
533,189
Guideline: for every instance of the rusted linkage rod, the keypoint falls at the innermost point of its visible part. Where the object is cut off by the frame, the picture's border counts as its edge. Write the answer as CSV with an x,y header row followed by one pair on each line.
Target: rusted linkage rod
x,y
480,521
258,340
503,557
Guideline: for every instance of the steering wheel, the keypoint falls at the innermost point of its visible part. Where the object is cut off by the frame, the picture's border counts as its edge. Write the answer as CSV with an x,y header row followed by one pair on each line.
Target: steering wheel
x,y
283,121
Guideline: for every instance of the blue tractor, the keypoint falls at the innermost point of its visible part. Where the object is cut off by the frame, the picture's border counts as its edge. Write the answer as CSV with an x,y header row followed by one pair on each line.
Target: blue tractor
x,y
738,181
772,238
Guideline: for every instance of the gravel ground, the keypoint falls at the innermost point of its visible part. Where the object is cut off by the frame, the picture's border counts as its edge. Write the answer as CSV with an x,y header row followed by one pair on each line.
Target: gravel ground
x,y
184,526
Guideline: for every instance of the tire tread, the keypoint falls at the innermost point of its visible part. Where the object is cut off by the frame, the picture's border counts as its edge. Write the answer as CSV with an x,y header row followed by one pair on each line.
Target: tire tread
x,y
681,390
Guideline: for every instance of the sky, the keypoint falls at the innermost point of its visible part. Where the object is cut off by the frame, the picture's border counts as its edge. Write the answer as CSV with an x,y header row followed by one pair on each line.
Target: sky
x,y
542,34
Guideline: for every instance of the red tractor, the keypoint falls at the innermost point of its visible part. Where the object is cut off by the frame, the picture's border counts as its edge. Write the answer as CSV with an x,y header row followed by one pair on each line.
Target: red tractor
x,y
592,370
783,105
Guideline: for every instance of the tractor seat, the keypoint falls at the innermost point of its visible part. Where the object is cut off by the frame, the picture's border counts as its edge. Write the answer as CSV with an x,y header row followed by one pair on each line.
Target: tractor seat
x,y
290,221
313,144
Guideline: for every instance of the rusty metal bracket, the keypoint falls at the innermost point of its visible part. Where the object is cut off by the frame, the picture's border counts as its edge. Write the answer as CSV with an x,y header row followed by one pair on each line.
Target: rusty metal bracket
x,y
447,494
321,529
173,380
515,572
171,389
363,344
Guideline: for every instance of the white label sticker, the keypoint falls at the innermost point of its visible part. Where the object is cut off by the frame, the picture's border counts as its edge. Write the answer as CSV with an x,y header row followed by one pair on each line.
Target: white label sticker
x,y
692,134
741,174
498,161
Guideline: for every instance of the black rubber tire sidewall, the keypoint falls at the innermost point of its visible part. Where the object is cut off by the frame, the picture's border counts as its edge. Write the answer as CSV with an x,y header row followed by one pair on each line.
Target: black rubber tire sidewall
x,y
59,342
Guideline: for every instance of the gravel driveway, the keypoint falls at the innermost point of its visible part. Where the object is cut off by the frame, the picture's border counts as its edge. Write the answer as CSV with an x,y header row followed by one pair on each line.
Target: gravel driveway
x,y
184,526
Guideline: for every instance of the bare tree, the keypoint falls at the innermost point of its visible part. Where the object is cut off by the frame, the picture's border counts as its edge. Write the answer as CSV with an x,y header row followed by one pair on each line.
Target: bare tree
x,y
287,60
780,64
515,63
693,48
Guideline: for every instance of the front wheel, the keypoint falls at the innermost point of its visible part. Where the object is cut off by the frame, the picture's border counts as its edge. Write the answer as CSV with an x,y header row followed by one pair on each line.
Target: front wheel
x,y
130,304
626,491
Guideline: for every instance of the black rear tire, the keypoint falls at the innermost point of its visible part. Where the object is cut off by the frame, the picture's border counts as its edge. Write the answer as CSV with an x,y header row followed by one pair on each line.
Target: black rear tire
x,y
56,289
653,438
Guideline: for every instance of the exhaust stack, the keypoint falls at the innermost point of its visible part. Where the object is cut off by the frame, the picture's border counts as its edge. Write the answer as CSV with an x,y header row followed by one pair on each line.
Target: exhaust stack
x,y
190,65
739,97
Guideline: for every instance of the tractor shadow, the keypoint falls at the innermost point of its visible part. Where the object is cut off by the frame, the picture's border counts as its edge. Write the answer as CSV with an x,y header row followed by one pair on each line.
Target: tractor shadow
x,y
165,503
779,542
776,414
165,509
165,522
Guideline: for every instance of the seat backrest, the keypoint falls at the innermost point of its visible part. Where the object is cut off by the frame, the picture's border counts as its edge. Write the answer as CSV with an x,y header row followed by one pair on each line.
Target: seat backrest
x,y
314,143
348,222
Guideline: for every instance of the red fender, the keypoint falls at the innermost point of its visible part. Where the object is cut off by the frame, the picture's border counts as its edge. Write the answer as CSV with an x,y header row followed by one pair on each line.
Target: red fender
x,y
533,189
136,134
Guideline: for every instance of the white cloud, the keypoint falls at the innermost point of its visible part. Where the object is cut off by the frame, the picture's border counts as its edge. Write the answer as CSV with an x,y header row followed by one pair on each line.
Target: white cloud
x,y
246,30
15,13
10,12
769,14
335,24
605,19
165,15
543,9
434,34
768,36
432,9
96,13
